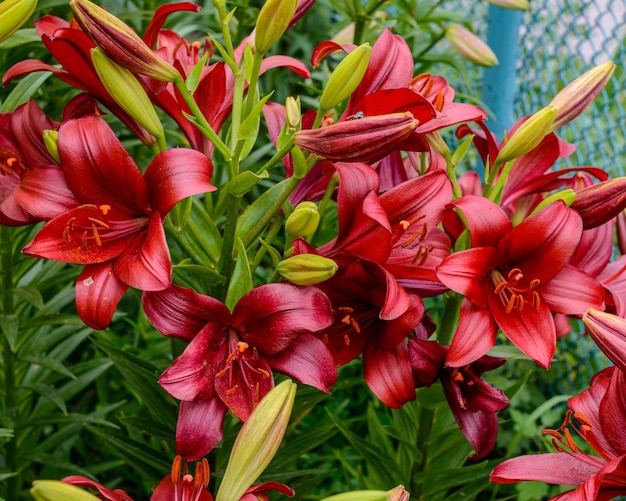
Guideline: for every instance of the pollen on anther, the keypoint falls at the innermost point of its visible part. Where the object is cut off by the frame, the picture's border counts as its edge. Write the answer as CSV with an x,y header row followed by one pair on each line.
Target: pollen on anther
x,y
439,101
105,208
232,390
346,340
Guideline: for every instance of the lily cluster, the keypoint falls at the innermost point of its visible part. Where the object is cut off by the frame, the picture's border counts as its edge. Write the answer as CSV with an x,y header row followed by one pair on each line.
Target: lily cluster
x,y
512,255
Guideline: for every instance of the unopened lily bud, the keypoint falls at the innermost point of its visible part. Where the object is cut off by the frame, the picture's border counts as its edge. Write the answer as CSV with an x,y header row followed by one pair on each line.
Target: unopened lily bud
x,y
293,113
359,496
470,46
50,139
580,93
346,77
366,140
257,441
13,14
55,490
609,333
601,202
273,21
120,42
510,4
303,221
126,90
398,493
307,269
529,134
437,143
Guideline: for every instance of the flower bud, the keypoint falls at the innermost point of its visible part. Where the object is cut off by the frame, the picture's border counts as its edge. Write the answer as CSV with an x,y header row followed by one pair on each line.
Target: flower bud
x,y
13,14
126,90
346,77
398,493
257,441
273,21
307,269
437,143
577,95
293,113
366,140
510,4
55,490
469,46
303,221
359,496
601,202
609,333
529,134
50,138
120,42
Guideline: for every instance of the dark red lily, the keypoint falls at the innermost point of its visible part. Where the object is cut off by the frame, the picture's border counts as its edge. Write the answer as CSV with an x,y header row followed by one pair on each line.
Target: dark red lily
x,y
598,416
230,357
473,402
115,227
514,278
22,148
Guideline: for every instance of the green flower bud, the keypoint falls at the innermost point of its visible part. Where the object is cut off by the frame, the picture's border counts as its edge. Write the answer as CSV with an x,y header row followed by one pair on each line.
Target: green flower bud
x,y
580,93
120,42
360,496
55,490
510,4
257,441
273,21
398,493
529,134
303,220
469,46
126,90
307,269
13,14
346,77
437,143
293,113
50,138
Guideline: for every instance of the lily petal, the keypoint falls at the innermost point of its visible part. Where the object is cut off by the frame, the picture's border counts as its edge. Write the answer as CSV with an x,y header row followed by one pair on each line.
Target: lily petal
x,y
474,336
572,292
98,291
388,374
200,427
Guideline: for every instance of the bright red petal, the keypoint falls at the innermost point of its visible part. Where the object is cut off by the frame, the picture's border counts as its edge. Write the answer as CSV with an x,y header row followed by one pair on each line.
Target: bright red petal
x,y
486,221
176,174
182,313
475,335
388,374
98,169
572,292
105,493
146,264
98,292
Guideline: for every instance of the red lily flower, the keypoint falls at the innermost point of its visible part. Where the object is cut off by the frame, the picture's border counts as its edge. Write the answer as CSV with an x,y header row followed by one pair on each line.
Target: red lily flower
x,y
515,278
115,228
473,402
609,333
22,149
104,492
601,414
230,357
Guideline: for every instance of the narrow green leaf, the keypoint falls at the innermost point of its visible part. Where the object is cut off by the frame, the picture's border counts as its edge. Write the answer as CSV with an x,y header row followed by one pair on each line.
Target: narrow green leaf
x,y
193,79
241,281
23,91
48,363
9,325
31,295
49,392
244,182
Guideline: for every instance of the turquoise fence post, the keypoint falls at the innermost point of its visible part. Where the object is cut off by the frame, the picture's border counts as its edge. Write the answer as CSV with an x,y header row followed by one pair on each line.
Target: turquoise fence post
x,y
499,82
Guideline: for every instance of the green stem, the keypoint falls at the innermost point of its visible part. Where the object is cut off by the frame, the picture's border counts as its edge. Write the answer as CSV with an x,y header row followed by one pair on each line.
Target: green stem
x,y
277,224
203,125
424,431
253,84
449,318
10,406
286,148
235,122
225,264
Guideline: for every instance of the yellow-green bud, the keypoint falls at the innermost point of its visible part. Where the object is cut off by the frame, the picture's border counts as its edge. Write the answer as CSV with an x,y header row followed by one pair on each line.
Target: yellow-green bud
x,y
307,269
126,90
55,490
13,14
293,112
346,77
273,21
257,441
510,4
437,143
469,46
529,134
359,496
50,138
303,220
398,493
580,93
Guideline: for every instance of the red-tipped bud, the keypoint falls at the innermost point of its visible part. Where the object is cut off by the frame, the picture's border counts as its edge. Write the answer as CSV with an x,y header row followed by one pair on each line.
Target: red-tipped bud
x,y
120,42
367,139
601,202
469,46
